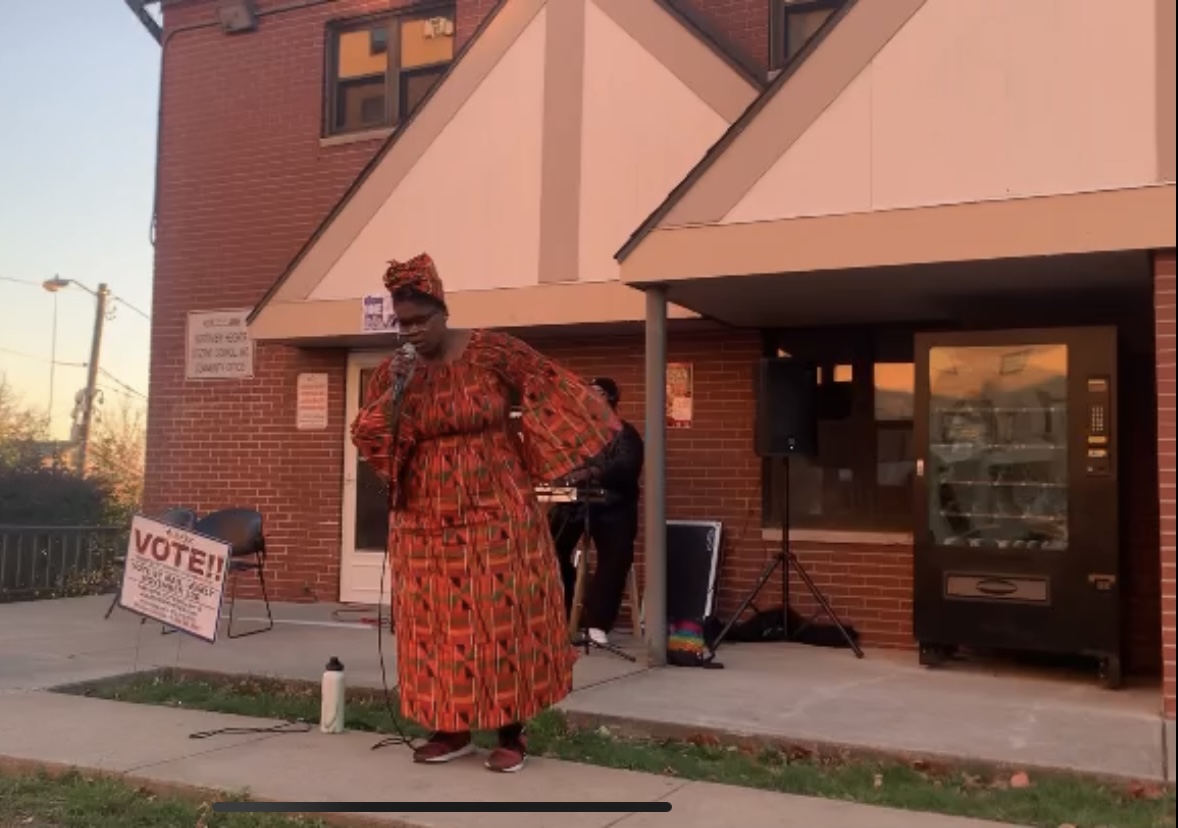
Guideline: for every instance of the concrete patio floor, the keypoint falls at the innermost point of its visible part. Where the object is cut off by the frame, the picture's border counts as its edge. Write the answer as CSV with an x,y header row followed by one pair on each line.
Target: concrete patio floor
x,y
883,702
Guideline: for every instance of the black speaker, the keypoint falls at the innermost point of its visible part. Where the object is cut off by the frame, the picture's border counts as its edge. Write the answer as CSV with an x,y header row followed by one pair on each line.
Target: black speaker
x,y
787,408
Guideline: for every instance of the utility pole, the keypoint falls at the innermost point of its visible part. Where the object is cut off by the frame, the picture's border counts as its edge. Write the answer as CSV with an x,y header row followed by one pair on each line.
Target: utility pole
x,y
92,376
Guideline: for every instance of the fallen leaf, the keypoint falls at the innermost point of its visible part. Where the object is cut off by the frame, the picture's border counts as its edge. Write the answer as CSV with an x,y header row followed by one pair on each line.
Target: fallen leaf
x,y
1020,780
799,754
1138,790
877,781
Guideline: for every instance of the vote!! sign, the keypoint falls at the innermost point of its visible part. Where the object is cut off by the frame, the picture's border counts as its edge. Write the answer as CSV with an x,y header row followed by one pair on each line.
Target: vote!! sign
x,y
175,576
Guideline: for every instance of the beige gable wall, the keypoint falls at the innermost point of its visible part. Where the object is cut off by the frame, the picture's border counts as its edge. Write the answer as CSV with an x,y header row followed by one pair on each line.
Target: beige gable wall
x,y
976,100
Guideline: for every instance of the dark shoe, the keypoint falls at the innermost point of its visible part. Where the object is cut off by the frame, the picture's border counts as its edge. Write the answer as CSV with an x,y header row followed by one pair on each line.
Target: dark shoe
x,y
444,747
509,757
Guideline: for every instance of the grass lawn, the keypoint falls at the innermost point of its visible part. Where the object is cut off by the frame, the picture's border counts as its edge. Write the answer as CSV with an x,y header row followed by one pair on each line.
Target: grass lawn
x,y
78,801
1049,801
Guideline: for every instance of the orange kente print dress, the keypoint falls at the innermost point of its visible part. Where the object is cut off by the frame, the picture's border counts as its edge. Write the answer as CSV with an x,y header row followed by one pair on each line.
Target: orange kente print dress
x,y
478,607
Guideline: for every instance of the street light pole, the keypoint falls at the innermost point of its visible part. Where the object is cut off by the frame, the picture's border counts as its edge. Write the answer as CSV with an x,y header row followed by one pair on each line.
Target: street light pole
x,y
92,376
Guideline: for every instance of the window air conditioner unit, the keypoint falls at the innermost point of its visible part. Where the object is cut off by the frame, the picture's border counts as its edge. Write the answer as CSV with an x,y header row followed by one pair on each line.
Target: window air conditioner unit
x,y
437,27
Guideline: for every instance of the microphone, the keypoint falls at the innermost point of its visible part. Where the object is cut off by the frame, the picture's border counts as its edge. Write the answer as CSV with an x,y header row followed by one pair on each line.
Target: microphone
x,y
410,354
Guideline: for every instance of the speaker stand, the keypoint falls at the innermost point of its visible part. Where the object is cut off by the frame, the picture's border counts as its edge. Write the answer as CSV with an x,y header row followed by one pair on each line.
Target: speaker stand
x,y
788,562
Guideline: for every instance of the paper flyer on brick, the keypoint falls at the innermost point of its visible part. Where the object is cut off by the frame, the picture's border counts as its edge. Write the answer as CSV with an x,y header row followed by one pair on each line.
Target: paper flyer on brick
x,y
175,576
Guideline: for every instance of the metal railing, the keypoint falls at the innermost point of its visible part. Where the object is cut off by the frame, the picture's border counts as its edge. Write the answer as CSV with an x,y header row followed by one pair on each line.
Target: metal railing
x,y
58,561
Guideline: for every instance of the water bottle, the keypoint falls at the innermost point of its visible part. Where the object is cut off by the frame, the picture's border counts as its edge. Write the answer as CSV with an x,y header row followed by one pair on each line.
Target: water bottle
x,y
331,713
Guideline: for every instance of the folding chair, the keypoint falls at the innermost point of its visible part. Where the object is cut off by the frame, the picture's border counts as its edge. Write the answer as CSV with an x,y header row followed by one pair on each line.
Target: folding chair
x,y
242,530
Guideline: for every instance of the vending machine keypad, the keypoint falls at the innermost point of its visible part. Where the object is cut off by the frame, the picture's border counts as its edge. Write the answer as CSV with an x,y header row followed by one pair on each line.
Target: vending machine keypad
x,y
1098,461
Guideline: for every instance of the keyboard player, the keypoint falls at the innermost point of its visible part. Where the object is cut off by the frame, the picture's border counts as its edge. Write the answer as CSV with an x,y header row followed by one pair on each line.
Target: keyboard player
x,y
613,523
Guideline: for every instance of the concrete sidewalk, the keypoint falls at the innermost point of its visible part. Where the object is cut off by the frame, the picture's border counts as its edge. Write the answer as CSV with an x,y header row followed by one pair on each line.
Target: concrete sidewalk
x,y
152,743
805,695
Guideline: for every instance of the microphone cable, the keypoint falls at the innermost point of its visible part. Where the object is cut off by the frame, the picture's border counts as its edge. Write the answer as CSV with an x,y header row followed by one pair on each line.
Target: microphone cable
x,y
393,489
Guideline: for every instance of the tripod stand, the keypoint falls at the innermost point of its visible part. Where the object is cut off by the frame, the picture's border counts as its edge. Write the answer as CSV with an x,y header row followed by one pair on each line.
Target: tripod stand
x,y
786,559
582,638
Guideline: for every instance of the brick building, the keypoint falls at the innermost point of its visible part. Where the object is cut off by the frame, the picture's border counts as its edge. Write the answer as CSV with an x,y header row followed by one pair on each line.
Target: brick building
x,y
825,179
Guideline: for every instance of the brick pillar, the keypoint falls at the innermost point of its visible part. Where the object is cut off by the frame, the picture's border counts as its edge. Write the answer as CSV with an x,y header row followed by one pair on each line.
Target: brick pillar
x,y
1166,322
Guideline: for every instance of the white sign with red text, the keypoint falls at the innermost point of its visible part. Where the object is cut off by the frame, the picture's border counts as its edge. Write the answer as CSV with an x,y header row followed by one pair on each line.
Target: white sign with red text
x,y
175,576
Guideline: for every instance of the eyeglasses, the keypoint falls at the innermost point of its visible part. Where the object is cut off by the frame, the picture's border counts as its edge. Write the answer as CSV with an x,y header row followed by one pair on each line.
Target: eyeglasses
x,y
416,324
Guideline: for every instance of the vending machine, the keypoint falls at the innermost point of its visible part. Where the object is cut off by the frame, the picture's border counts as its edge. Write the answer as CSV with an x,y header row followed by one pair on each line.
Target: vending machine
x,y
1016,535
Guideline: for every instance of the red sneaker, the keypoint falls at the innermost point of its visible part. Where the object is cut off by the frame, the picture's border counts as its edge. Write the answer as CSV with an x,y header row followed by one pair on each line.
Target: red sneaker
x,y
444,747
509,757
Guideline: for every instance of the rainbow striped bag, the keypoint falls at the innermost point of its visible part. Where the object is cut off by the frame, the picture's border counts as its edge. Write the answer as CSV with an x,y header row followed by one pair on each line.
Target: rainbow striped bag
x,y
686,646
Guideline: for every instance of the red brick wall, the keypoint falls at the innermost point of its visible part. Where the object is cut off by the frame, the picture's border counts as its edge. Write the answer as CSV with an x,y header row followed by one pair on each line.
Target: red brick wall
x,y
740,25
713,473
1166,328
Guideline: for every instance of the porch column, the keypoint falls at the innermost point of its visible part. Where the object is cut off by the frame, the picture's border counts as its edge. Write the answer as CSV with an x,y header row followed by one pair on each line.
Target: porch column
x,y
655,491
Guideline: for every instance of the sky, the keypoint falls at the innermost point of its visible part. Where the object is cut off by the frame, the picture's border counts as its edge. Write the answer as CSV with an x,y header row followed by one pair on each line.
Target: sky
x,y
77,170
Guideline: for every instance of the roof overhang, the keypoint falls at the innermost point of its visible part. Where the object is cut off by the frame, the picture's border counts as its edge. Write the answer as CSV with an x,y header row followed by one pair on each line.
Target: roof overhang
x,y
527,308
1141,218
522,223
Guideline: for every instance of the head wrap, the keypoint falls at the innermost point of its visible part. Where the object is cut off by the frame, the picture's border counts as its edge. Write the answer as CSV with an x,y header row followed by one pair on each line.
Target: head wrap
x,y
417,274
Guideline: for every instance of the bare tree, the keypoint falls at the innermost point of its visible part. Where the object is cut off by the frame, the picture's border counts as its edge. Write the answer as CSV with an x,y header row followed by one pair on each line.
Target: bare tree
x,y
23,431
117,451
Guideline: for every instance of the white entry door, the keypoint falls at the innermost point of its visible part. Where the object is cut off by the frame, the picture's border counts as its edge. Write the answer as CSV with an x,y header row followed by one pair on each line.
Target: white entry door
x,y
366,518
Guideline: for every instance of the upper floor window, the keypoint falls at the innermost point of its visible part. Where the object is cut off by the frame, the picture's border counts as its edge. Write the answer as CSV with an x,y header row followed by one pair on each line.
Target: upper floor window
x,y
794,22
379,69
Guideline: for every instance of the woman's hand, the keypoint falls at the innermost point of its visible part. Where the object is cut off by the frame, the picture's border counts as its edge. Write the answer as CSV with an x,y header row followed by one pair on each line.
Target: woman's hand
x,y
578,477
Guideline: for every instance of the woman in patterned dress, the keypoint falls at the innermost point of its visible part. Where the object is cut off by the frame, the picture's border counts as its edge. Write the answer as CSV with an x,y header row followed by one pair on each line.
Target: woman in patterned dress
x,y
478,603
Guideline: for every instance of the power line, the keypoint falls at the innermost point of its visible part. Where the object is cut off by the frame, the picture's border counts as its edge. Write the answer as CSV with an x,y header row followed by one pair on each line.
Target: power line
x,y
113,297
43,359
123,301
120,383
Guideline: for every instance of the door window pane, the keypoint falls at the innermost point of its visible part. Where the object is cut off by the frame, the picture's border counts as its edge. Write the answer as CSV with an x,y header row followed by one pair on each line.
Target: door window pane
x,y
998,461
372,509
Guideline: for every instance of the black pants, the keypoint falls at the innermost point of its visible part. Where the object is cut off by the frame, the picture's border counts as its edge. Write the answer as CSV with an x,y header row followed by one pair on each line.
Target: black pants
x,y
613,529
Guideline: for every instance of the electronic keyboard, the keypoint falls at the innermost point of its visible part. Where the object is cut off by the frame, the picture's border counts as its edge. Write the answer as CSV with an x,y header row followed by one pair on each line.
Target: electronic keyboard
x,y
569,494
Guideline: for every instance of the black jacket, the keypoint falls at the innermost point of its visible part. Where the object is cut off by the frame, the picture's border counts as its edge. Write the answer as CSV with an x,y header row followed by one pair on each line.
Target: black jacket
x,y
618,468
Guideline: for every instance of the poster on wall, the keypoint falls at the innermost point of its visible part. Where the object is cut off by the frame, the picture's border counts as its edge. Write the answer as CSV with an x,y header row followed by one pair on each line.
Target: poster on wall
x,y
311,402
218,346
175,576
679,395
378,316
